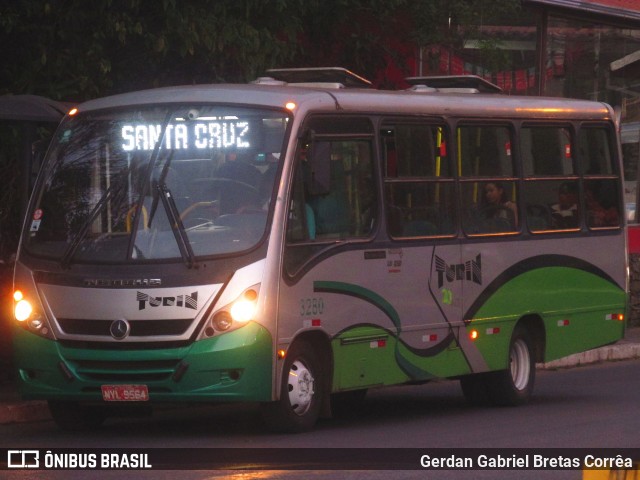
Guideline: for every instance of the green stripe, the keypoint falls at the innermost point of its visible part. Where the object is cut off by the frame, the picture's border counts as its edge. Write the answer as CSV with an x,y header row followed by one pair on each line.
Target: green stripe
x,y
363,294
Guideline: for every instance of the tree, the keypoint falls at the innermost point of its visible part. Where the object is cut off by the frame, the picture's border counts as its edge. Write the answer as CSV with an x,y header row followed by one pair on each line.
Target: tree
x,y
77,50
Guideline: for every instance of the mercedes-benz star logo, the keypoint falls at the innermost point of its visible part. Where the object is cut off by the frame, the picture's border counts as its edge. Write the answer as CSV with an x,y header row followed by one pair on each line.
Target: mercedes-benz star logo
x,y
119,329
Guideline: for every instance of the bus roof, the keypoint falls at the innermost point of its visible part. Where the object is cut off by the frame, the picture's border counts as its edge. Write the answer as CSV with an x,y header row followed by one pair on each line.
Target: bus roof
x,y
364,101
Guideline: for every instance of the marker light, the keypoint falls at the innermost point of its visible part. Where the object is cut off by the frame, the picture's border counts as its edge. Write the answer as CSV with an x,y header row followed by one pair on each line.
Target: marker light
x,y
17,295
22,310
290,106
473,334
73,111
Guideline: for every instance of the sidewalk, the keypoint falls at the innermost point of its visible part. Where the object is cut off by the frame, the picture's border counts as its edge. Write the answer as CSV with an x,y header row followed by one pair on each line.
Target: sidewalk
x,y
15,410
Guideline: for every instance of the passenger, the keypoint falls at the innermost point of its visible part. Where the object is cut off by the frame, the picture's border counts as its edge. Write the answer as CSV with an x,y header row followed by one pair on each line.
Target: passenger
x,y
497,206
599,215
564,214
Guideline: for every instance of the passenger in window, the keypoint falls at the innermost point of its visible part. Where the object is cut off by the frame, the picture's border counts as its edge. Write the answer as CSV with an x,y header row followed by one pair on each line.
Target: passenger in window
x,y
331,209
564,214
600,212
497,206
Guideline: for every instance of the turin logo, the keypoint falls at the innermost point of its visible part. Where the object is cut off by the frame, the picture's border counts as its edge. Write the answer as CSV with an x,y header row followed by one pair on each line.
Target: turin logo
x,y
470,270
180,301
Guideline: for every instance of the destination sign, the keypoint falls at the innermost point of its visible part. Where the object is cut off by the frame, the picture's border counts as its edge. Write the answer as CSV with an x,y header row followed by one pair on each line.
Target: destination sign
x,y
201,135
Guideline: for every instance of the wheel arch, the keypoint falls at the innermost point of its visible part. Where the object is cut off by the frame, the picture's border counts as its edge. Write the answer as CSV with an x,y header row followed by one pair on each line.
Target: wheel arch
x,y
535,326
321,343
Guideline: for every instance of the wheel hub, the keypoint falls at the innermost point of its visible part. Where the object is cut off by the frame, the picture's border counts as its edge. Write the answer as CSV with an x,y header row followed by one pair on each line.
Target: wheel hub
x,y
520,364
301,387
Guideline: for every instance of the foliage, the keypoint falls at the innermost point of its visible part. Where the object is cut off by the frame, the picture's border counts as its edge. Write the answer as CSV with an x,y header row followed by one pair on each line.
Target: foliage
x,y
76,50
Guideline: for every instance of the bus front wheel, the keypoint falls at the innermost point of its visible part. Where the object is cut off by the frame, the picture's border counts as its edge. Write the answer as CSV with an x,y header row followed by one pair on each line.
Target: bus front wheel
x,y
301,392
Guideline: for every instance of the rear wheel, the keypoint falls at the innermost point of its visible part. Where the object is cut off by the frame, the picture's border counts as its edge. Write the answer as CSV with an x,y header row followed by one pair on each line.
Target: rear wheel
x,y
301,392
72,416
514,385
509,387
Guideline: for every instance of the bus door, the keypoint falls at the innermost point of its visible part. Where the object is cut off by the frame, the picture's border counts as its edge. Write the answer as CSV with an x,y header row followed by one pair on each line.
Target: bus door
x,y
424,270
332,266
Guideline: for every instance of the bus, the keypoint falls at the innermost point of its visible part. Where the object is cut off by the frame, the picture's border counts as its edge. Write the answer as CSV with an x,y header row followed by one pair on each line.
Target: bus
x,y
295,244
630,140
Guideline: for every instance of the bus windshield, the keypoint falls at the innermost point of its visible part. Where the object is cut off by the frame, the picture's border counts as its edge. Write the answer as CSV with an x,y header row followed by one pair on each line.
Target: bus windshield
x,y
156,183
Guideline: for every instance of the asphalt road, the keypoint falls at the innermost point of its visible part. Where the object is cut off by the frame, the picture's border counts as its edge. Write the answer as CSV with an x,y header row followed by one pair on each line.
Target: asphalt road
x,y
586,407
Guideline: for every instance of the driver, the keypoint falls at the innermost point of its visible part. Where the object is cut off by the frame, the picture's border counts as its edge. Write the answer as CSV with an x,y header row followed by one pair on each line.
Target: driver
x,y
243,189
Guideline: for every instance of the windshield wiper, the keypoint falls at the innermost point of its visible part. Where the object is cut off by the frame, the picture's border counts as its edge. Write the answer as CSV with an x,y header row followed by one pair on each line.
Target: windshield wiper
x,y
108,195
176,225
161,181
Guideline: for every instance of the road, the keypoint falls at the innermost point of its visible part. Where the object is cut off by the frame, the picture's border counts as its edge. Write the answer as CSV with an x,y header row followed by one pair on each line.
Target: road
x,y
588,407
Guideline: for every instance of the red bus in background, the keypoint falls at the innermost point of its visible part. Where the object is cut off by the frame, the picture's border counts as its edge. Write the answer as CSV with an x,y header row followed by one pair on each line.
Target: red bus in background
x,y
630,139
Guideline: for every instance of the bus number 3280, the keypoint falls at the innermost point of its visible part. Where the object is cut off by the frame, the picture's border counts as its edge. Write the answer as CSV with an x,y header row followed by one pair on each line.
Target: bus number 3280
x,y
311,306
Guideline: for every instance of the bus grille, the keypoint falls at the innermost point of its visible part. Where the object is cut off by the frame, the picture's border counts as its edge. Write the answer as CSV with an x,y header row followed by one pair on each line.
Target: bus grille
x,y
139,328
126,370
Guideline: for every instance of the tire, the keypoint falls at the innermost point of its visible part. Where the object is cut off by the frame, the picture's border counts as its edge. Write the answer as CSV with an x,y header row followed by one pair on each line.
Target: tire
x,y
301,392
514,386
510,387
74,417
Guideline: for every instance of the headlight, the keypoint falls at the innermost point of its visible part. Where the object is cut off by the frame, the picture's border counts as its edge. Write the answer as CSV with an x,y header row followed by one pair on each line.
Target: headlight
x,y
22,310
243,310
30,316
233,315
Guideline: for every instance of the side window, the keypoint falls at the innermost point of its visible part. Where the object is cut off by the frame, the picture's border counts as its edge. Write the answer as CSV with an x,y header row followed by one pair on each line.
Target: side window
x,y
419,188
334,195
601,193
551,188
488,182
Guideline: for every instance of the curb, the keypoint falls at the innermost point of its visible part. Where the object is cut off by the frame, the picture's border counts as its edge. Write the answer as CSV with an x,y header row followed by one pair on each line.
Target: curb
x,y
609,353
23,412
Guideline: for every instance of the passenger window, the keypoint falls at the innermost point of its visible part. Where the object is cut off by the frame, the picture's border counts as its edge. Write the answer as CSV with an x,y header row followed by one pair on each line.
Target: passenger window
x,y
488,186
602,203
419,188
601,194
334,191
546,150
552,205
551,188
595,151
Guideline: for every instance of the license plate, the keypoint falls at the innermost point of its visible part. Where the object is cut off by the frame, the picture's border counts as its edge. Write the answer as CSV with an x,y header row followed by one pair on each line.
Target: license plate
x,y
125,393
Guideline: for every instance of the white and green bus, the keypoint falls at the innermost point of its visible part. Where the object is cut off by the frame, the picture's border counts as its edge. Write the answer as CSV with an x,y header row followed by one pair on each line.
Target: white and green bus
x,y
295,245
